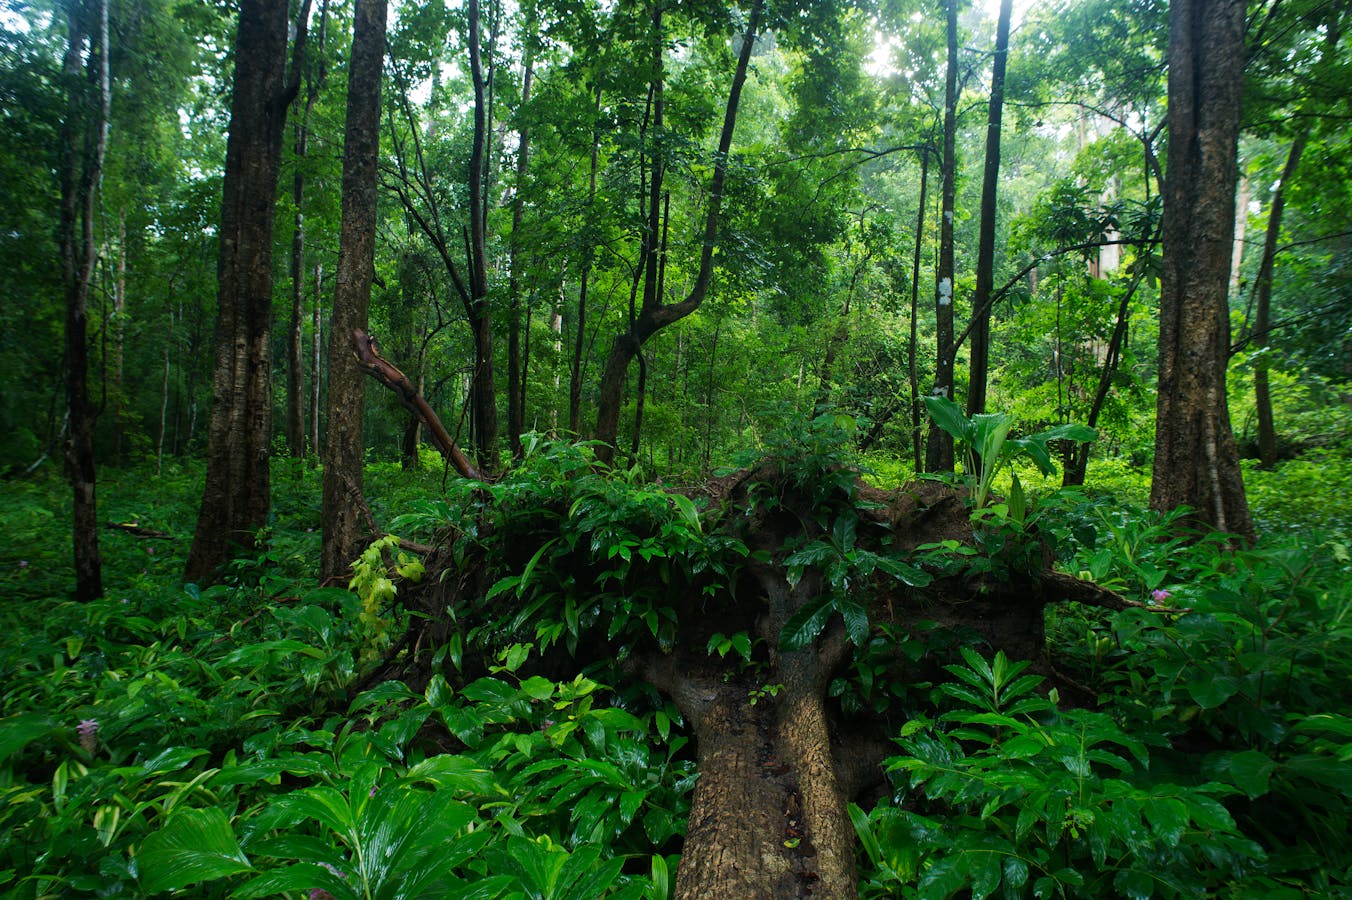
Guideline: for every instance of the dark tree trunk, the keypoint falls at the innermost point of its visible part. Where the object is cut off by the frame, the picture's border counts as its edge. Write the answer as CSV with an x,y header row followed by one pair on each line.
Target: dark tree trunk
x,y
913,372
295,344
352,293
579,344
939,448
1262,315
316,355
1196,461
236,497
516,391
84,138
483,391
656,315
985,253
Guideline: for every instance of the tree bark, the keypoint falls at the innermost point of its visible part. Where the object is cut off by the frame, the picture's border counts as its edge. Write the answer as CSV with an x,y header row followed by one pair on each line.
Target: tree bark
x,y
84,138
516,391
236,496
579,344
1262,316
985,254
913,374
352,295
295,345
939,448
483,391
1196,461
656,315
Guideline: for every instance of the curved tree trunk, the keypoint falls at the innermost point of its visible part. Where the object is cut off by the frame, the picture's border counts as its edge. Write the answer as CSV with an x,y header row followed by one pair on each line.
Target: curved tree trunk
x,y
655,314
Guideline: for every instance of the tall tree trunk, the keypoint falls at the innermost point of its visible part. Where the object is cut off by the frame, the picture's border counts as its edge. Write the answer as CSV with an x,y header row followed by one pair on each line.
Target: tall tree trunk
x,y
516,392
316,354
84,139
117,363
295,345
579,343
939,449
657,315
1262,316
484,390
985,253
352,292
1196,461
237,493
917,411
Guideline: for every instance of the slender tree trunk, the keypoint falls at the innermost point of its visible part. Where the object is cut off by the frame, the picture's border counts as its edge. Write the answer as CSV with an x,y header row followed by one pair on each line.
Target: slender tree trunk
x,y
579,344
237,494
295,345
939,449
516,392
1262,318
117,363
316,355
913,372
985,254
84,137
1196,461
652,318
352,295
484,391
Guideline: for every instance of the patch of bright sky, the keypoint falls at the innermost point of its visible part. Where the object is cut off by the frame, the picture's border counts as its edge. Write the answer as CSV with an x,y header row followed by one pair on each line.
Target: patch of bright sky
x,y
879,63
14,18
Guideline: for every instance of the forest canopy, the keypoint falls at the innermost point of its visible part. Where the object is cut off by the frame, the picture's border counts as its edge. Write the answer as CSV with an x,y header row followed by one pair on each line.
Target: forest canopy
x,y
675,448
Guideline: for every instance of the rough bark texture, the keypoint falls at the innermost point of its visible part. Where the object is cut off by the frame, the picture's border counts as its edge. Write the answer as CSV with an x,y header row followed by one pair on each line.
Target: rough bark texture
x,y
776,767
1196,460
657,315
352,294
84,140
236,497
483,393
939,448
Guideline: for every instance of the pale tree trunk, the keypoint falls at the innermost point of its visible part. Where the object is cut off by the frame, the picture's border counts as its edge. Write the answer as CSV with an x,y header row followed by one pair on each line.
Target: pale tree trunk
x,y
84,138
352,292
985,254
939,448
237,494
1262,316
1196,461
117,389
655,314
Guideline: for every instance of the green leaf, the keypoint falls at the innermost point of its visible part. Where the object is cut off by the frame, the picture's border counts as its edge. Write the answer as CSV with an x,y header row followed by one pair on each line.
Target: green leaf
x,y
17,732
1209,690
806,624
661,879
1250,770
948,416
195,845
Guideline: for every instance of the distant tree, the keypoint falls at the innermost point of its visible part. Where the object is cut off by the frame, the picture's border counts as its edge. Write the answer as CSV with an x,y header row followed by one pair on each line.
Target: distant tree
x,y
939,449
656,314
352,293
84,138
237,494
985,255
1196,460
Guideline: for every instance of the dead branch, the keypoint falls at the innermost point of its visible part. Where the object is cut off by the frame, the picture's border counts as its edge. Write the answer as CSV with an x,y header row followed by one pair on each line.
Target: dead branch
x,y
367,352
133,528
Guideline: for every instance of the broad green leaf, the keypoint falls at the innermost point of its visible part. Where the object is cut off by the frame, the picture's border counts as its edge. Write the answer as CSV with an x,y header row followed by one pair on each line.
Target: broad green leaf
x,y
1209,690
806,624
17,732
948,416
1251,770
195,845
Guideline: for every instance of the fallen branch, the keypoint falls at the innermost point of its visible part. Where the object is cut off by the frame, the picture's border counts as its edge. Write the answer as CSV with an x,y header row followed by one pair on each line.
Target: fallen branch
x,y
133,528
370,361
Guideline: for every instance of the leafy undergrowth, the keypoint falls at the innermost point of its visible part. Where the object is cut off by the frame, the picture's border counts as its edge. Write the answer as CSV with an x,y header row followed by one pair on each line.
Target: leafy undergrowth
x,y
222,742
